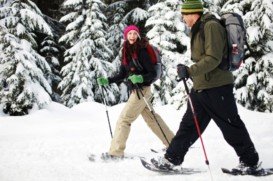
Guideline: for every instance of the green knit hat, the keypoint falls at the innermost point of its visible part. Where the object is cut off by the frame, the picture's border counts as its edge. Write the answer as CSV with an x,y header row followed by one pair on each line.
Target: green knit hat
x,y
192,6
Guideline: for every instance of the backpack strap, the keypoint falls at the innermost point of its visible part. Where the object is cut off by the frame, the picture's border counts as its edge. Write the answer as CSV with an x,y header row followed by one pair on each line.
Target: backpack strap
x,y
137,64
151,54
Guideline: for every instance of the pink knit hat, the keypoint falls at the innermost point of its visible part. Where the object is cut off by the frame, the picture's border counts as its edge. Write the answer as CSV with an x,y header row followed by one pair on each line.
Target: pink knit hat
x,y
129,28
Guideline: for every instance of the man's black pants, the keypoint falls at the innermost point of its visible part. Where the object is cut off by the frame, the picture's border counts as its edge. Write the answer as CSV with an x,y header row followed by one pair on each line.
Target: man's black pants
x,y
217,104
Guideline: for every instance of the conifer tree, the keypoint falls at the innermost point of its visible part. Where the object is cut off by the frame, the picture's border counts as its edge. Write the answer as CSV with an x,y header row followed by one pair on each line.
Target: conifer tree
x,y
137,13
167,32
116,12
87,55
50,50
23,85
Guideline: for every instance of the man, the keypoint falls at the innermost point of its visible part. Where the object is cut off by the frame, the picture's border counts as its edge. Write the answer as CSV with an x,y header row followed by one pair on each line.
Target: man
x,y
212,93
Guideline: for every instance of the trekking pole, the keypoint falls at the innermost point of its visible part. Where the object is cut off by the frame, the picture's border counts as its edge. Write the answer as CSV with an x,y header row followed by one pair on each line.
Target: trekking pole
x,y
106,109
196,121
197,127
152,111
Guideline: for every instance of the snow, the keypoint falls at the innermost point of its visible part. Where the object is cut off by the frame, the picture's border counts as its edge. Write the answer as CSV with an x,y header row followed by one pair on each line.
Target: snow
x,y
54,144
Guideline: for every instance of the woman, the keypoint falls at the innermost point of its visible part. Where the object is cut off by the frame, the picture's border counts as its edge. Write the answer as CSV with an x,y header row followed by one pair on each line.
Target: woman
x,y
137,66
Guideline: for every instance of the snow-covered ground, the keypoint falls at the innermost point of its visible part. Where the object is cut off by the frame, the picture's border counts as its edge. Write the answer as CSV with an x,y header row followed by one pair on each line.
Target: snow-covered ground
x,y
53,144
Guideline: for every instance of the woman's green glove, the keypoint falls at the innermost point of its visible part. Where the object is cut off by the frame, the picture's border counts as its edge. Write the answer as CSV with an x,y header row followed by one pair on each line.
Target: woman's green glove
x,y
102,81
136,79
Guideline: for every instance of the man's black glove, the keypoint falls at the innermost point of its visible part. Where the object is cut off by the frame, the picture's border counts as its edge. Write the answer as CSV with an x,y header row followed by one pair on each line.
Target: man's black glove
x,y
182,71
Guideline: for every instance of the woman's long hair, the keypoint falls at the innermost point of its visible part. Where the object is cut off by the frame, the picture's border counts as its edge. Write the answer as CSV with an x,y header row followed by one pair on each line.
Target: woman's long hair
x,y
131,51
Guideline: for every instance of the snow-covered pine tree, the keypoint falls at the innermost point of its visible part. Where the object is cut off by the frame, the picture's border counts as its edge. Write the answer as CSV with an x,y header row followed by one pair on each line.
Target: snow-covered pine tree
x,y
254,81
214,6
22,68
167,32
87,55
50,50
219,3
115,14
137,14
5,3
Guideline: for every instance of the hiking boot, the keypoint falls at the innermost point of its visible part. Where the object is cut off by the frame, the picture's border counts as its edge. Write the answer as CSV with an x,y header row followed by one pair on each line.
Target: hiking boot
x,y
106,156
162,163
243,168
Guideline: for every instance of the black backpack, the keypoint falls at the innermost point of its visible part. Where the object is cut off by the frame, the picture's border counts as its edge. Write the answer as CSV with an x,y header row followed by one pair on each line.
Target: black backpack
x,y
236,39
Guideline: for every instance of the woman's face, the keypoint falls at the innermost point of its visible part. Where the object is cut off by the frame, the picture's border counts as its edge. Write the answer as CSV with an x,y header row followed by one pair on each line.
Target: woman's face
x,y
132,36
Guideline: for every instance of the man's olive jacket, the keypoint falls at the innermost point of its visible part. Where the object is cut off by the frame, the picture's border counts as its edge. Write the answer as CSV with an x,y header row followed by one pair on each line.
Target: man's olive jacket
x,y
207,53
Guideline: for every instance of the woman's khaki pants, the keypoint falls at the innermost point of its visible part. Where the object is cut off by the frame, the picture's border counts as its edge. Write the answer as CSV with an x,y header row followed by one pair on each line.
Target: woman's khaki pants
x,y
133,108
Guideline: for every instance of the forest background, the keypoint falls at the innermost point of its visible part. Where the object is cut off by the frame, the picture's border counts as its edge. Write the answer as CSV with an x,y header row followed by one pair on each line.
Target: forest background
x,y
55,50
